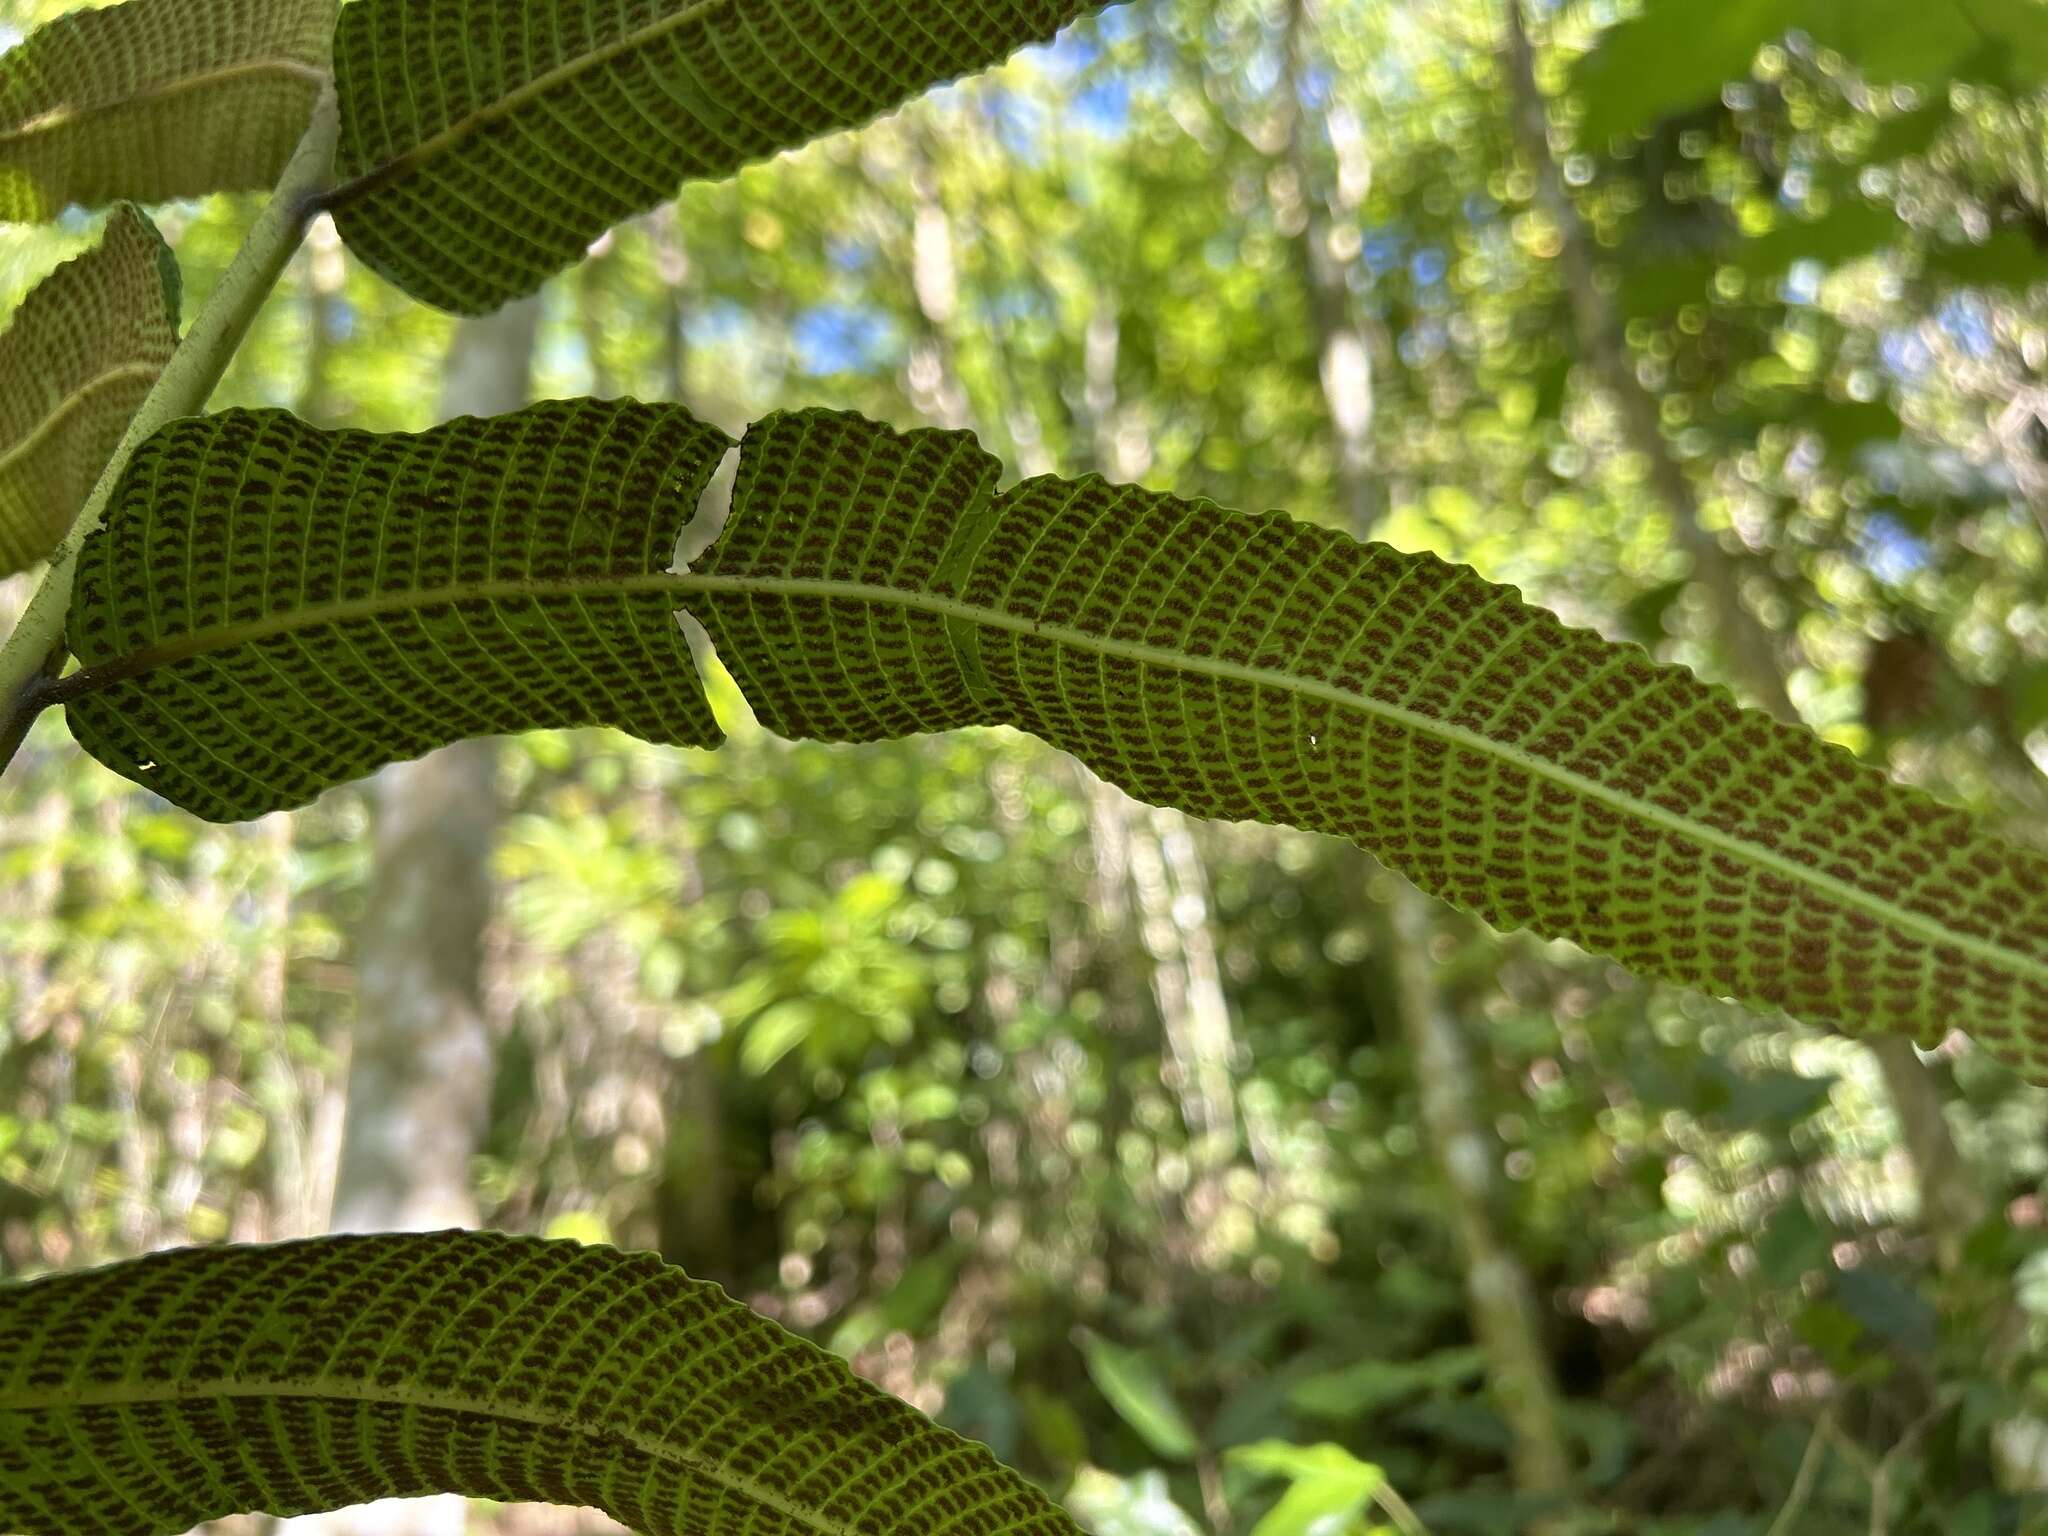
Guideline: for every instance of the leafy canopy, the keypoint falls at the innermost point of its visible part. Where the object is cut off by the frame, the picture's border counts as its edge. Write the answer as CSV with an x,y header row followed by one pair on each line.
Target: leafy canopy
x,y
185,1386
271,610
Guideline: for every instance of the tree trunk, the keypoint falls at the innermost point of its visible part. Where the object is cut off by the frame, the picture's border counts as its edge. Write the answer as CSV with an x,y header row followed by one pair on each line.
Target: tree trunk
x,y
1499,1299
672,268
1752,651
1951,1201
325,265
419,1076
1502,1306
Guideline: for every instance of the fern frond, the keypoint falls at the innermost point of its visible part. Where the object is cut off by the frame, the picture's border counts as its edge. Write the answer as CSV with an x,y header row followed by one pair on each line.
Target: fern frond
x,y
486,576
246,643
152,1395
78,358
486,143
158,99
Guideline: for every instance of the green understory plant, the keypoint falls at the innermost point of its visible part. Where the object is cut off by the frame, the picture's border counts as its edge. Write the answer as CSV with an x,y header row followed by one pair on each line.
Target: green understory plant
x,y
242,611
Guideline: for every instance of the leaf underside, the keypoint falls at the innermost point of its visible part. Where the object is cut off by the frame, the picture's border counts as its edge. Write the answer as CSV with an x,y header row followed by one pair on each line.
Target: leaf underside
x,y
486,143
151,1395
80,354
237,638
467,583
157,99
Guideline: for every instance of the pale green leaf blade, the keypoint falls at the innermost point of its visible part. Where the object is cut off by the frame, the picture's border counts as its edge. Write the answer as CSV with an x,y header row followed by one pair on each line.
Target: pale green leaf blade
x,y
1138,1391
82,351
1369,1386
1252,667
1316,1507
285,609
158,99
1328,1486
151,1395
486,143
1283,1458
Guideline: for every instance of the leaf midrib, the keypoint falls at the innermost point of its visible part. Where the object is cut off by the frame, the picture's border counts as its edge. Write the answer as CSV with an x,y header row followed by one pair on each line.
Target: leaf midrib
x,y
202,642
131,1394
154,93
479,118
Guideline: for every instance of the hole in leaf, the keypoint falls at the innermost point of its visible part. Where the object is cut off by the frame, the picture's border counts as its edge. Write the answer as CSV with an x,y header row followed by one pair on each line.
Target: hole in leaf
x,y
713,508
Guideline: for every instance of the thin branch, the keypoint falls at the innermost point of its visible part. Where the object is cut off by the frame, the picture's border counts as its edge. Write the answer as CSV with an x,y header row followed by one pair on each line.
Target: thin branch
x,y
1399,1510
1751,647
29,701
1803,1481
1881,1479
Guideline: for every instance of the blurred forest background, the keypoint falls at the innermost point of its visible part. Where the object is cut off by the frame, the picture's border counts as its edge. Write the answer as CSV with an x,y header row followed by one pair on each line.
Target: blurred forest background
x,y
1207,1172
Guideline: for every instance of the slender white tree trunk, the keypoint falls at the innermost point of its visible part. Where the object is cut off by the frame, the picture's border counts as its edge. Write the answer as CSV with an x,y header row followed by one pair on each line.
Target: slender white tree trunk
x,y
420,1063
1951,1198
1500,1301
419,1075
